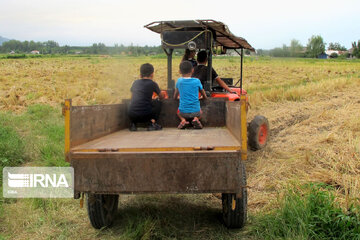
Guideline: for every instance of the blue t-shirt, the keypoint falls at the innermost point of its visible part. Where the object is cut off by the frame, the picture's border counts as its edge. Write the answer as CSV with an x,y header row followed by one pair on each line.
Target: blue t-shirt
x,y
189,94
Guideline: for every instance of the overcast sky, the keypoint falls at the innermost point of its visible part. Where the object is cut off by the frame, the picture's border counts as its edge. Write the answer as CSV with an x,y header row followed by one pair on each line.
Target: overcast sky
x,y
264,23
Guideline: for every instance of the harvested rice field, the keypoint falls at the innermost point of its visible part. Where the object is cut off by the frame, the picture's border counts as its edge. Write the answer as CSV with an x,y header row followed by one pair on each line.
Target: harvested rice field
x,y
313,107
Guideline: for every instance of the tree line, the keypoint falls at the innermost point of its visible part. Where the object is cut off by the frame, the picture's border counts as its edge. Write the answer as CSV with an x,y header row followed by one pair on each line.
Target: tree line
x,y
52,47
314,48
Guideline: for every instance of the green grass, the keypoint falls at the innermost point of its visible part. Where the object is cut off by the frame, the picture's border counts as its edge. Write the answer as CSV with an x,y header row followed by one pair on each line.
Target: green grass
x,y
11,145
308,212
46,124
170,217
12,151
35,136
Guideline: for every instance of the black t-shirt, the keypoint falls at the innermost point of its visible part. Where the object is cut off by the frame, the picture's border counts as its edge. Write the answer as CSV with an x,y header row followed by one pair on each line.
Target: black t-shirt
x,y
142,91
200,72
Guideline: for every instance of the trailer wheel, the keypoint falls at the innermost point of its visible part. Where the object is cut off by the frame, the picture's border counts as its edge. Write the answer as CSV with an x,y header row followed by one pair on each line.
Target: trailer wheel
x,y
234,216
258,132
101,209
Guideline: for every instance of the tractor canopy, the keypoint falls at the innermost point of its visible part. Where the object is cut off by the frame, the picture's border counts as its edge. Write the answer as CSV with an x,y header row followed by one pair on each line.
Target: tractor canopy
x,y
199,34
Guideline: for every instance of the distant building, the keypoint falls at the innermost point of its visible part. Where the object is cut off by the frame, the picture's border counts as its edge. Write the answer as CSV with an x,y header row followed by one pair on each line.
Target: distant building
x,y
323,56
330,52
12,52
35,52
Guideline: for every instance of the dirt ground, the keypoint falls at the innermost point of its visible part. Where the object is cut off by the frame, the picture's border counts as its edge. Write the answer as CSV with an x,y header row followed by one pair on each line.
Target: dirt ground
x,y
316,140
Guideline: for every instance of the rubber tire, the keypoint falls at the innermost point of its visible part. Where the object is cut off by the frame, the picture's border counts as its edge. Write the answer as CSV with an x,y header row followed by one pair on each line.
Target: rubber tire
x,y
253,132
235,218
101,209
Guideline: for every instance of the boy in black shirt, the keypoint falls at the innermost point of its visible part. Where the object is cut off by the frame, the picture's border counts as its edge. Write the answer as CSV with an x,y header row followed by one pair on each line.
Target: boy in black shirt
x,y
142,108
200,72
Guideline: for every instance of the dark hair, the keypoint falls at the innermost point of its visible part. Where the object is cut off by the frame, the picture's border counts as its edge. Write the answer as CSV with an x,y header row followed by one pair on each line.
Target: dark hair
x,y
202,56
185,67
146,70
187,54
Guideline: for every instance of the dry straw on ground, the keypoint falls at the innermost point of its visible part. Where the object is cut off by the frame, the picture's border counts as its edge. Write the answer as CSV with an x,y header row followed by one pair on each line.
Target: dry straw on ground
x,y
313,108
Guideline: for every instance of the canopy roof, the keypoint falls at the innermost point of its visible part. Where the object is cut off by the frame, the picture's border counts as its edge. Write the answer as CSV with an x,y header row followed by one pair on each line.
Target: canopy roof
x,y
223,36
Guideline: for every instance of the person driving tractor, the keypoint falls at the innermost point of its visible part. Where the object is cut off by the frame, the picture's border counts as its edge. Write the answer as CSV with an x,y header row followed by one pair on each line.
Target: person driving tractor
x,y
200,72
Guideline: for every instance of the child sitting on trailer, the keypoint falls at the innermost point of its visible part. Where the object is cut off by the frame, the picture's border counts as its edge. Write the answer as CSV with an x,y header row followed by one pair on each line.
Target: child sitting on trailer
x,y
188,88
142,108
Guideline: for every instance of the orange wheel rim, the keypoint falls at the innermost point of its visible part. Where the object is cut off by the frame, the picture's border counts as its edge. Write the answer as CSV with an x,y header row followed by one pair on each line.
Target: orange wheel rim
x,y
263,131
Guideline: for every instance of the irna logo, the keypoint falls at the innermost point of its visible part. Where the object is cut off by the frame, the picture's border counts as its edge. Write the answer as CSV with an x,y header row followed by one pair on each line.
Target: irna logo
x,y
37,180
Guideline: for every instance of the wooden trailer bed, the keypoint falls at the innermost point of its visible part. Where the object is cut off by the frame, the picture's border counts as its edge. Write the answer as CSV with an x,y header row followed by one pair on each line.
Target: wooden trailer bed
x,y
168,139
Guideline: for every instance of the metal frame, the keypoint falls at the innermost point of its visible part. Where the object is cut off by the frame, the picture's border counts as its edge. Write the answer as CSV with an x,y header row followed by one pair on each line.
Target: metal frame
x,y
209,45
170,81
241,67
208,86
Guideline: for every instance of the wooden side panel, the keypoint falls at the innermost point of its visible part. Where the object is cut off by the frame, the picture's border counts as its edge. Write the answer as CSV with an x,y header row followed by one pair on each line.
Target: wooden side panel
x,y
172,172
213,113
91,122
233,119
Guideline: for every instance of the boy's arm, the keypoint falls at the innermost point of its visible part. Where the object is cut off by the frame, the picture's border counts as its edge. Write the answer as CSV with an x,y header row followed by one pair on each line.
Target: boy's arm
x,y
176,93
203,93
158,91
223,84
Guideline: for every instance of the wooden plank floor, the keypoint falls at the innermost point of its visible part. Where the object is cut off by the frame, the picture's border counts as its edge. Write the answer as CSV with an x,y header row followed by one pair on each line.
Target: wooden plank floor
x,y
165,139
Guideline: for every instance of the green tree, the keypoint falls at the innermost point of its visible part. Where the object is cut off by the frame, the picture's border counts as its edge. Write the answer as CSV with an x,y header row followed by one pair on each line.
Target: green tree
x,y
98,48
356,49
65,49
51,47
315,46
336,46
295,48
280,52
12,45
333,55
35,46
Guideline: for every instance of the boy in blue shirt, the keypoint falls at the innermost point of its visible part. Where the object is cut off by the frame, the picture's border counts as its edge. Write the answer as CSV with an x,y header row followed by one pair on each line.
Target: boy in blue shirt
x,y
188,88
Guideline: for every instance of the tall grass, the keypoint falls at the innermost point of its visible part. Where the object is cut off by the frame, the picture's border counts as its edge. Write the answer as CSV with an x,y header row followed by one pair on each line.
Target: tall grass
x,y
308,212
46,124
34,137
11,146
12,151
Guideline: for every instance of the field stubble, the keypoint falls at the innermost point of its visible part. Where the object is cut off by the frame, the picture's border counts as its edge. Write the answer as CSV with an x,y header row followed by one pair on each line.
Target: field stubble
x,y
313,108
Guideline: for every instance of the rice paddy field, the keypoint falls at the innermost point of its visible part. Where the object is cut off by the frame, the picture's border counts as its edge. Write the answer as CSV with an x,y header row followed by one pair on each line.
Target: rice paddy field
x,y
313,107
